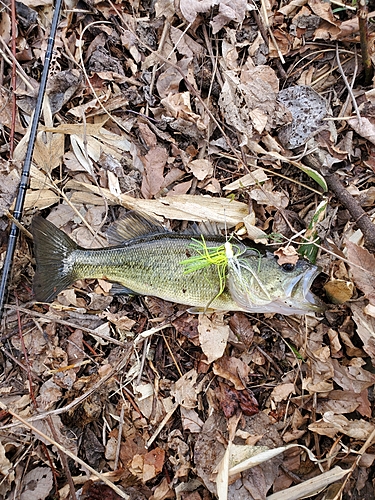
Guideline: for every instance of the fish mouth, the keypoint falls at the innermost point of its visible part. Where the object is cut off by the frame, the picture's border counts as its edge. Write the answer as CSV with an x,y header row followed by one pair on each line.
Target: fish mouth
x,y
301,294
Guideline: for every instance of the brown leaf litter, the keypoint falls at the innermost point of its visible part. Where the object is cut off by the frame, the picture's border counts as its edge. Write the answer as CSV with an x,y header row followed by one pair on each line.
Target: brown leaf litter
x,y
224,112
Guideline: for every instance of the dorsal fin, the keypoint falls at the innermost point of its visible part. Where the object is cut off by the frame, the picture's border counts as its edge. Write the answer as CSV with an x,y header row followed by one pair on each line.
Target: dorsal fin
x,y
133,225
210,228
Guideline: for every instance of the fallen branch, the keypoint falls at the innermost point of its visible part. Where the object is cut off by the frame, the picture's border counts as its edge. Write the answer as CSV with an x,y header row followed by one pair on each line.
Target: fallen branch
x,y
360,217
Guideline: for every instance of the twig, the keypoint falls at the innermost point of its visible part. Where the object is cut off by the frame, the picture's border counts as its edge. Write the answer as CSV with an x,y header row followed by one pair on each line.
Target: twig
x,y
214,60
172,355
118,447
363,34
344,108
155,67
18,224
31,390
65,323
361,219
64,461
20,200
347,85
11,60
161,425
267,23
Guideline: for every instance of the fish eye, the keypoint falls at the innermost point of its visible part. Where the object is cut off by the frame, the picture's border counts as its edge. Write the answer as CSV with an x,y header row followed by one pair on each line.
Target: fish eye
x,y
288,267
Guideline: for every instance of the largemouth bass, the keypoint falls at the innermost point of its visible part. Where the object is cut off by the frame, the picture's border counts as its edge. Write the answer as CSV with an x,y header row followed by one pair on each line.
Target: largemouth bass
x,y
146,259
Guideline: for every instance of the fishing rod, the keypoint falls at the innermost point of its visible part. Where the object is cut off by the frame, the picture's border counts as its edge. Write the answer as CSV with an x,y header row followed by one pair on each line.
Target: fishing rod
x,y
20,200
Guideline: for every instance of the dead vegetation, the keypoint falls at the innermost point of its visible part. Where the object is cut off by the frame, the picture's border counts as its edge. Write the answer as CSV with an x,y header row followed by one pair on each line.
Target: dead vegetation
x,y
250,115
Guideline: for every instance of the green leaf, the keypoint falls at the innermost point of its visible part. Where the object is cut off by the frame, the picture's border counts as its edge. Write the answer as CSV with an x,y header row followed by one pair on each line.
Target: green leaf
x,y
309,249
316,176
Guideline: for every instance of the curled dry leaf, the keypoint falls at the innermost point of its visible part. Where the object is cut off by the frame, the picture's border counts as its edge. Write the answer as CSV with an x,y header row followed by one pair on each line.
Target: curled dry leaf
x,y
191,8
332,424
229,10
286,255
178,105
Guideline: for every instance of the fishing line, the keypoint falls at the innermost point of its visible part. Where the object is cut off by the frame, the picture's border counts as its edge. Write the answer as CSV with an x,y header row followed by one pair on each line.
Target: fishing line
x,y
20,200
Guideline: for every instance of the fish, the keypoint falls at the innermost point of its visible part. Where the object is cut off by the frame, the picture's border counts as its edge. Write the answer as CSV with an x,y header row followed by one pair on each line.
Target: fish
x,y
144,258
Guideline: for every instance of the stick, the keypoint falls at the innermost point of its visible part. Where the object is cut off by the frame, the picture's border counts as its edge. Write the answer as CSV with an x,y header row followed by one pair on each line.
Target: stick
x,y
360,217
364,38
20,200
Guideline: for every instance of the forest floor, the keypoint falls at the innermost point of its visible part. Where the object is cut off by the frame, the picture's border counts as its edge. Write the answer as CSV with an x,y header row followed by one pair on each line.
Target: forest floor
x,y
257,117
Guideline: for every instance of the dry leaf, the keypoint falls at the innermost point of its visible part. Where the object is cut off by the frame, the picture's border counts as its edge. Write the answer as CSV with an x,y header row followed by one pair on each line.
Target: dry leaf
x,y
339,291
362,266
265,196
352,377
201,168
41,199
5,465
184,390
250,102
213,336
365,128
256,177
229,10
331,424
178,105
365,328
181,207
282,392
154,163
286,255
242,328
149,465
37,484
191,8
190,420
184,44
232,369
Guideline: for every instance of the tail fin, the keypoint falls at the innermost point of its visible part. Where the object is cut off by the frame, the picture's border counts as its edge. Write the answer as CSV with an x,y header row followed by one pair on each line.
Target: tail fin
x,y
52,247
